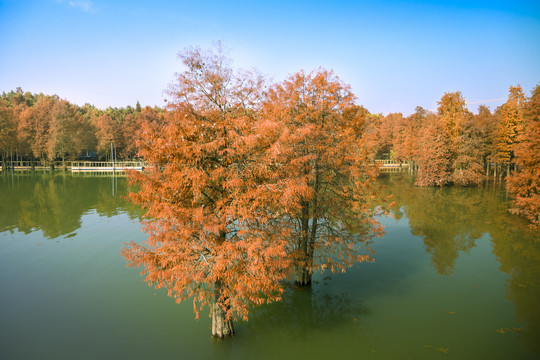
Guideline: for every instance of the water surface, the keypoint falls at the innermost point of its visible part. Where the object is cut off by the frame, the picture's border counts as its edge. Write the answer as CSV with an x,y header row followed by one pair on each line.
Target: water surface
x,y
455,277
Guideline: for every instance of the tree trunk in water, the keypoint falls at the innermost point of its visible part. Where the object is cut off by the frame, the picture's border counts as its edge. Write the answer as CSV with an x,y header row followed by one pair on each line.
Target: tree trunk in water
x,y
221,327
302,276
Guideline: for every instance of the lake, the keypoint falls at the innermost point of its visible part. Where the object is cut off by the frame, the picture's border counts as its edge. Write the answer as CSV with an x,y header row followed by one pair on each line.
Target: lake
x,y
455,277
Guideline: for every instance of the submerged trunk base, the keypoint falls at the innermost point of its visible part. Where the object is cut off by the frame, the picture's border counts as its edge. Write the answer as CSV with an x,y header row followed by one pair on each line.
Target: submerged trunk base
x,y
302,277
221,327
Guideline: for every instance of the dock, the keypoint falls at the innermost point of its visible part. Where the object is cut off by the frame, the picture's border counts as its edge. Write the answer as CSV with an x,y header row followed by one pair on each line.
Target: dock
x,y
387,164
74,166
106,166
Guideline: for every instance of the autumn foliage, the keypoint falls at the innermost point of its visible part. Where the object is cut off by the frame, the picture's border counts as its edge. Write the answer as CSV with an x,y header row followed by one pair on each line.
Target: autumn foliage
x,y
326,162
524,184
450,146
214,219
247,186
46,128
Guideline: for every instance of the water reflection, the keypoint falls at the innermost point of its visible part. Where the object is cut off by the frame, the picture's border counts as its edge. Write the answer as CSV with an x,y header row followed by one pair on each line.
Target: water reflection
x,y
378,310
518,251
55,202
310,316
450,220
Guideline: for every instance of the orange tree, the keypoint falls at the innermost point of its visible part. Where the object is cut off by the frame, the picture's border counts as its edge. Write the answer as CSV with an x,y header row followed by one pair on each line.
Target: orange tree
x,y
329,172
524,184
451,151
8,131
510,127
213,220
435,154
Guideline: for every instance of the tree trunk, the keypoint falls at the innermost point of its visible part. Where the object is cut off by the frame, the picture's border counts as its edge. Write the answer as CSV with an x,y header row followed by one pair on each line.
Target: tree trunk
x,y
221,326
302,271
302,276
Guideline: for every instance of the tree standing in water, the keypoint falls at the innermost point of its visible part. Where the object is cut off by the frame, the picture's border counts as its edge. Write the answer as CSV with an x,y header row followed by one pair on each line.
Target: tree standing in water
x,y
329,172
212,219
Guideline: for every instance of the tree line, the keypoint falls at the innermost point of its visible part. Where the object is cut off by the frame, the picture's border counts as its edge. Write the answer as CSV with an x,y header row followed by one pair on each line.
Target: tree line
x,y
453,146
45,128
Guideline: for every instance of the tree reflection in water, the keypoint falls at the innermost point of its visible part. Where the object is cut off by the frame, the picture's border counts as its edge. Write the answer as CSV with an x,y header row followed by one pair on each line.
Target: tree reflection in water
x,y
448,220
55,202
306,316
517,248
451,219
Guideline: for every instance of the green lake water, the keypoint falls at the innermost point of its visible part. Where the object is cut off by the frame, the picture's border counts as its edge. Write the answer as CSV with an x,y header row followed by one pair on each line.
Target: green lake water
x,y
455,277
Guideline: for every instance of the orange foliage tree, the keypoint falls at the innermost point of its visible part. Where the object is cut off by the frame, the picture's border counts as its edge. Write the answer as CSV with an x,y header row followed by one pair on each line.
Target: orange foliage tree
x,y
407,136
486,123
8,131
435,154
213,219
35,123
510,127
451,151
329,172
131,128
524,184
65,131
108,132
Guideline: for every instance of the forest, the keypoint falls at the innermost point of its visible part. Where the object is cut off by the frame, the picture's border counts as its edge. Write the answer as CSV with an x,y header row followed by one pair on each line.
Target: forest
x,y
248,183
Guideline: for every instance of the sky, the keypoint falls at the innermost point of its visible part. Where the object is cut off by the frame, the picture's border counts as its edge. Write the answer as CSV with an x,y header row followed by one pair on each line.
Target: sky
x,y
396,55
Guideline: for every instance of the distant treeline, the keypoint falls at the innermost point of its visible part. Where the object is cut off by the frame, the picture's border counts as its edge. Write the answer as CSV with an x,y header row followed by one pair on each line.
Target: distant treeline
x,y
46,128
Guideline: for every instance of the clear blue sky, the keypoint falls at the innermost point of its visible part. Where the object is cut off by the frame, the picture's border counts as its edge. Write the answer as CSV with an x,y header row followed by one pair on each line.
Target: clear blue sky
x,y
395,54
